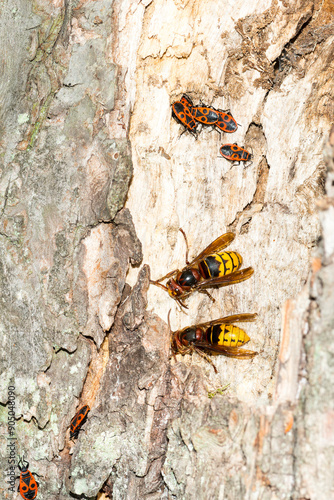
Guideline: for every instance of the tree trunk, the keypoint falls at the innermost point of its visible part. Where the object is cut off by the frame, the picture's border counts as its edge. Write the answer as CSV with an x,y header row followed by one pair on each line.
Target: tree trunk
x,y
97,178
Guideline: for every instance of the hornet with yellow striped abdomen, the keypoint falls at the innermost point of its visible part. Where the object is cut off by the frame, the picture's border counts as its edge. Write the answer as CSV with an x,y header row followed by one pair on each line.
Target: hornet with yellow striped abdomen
x,y
218,336
211,268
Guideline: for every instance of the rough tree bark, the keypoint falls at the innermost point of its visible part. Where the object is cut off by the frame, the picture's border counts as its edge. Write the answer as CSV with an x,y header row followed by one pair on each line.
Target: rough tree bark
x,y
96,178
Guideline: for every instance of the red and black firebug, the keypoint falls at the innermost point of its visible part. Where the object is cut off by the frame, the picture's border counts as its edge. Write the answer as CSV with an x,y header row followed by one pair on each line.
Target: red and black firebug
x,y
78,420
28,486
181,111
233,152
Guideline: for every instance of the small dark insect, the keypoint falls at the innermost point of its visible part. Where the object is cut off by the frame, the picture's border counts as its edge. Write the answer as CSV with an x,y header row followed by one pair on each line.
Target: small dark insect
x,y
27,486
233,152
218,336
220,391
78,420
211,268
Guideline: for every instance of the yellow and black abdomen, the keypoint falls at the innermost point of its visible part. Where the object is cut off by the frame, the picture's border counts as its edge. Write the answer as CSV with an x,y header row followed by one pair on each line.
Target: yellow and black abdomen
x,y
220,264
226,335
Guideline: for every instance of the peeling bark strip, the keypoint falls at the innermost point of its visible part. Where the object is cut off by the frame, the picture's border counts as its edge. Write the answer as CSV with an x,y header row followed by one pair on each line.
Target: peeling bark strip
x,y
108,250
133,411
75,333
